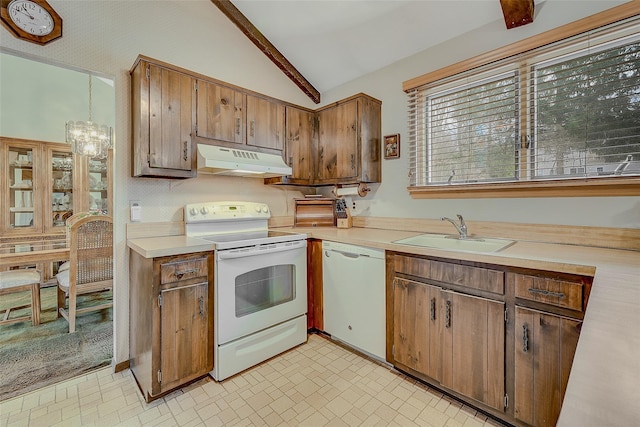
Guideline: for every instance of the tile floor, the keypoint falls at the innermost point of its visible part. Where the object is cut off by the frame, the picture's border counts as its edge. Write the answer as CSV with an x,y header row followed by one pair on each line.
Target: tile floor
x,y
316,384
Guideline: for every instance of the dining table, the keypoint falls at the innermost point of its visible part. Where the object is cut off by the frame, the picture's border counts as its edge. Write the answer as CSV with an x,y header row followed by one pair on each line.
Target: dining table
x,y
16,252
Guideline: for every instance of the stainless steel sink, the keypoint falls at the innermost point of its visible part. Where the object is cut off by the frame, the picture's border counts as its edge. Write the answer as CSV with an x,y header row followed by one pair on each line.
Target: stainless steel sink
x,y
454,243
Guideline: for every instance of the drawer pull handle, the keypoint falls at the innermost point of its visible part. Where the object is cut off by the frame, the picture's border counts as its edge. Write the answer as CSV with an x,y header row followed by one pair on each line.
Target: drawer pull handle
x,y
525,338
447,315
433,309
182,273
546,293
201,306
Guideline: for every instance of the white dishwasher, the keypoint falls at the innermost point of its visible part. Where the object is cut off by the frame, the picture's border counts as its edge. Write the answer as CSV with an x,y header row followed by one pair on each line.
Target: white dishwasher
x,y
354,296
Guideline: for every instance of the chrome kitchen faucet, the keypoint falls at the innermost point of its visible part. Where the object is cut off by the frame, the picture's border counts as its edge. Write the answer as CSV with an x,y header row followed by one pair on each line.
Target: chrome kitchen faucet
x,y
462,228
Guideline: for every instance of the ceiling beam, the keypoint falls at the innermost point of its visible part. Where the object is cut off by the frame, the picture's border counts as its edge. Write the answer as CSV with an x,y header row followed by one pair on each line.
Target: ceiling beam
x,y
267,48
517,12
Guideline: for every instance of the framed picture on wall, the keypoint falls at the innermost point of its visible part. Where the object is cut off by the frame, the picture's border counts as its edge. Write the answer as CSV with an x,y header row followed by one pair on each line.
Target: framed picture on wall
x,y
392,146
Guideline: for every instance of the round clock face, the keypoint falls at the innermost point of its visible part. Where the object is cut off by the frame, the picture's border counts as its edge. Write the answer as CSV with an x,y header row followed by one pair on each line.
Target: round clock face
x,y
31,17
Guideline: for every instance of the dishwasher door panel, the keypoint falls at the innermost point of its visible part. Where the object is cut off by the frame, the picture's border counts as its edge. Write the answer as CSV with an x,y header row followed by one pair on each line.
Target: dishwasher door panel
x,y
354,296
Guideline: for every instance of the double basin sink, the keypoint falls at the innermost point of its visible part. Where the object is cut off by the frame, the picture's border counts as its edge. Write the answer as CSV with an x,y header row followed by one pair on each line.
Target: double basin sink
x,y
455,243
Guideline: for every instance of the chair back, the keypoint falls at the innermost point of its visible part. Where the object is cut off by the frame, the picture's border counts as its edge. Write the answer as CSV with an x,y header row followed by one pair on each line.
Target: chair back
x,y
90,241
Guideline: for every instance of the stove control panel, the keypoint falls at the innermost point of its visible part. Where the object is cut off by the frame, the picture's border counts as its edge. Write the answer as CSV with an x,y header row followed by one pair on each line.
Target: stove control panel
x,y
225,211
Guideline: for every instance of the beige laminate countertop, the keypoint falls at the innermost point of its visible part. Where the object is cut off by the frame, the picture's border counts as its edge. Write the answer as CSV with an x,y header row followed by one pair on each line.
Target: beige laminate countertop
x,y
153,247
604,384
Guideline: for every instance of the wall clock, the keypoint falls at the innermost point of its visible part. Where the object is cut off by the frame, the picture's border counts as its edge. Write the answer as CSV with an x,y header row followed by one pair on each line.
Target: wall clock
x,y
31,20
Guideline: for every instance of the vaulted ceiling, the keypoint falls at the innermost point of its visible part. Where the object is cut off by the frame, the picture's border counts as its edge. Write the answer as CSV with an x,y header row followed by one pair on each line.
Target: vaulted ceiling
x,y
331,42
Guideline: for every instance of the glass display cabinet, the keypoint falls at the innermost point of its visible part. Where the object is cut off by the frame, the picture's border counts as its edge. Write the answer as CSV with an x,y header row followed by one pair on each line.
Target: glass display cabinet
x,y
20,200
43,184
61,167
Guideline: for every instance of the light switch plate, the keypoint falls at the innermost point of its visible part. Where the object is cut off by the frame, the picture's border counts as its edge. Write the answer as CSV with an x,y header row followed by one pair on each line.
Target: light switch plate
x,y
136,210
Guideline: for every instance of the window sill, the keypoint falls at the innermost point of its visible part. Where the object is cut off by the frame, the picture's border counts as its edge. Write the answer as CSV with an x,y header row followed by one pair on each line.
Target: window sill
x,y
594,187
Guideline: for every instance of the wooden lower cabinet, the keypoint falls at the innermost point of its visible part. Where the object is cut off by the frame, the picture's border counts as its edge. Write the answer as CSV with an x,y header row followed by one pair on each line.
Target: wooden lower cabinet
x,y
416,332
500,338
544,347
472,341
450,337
171,320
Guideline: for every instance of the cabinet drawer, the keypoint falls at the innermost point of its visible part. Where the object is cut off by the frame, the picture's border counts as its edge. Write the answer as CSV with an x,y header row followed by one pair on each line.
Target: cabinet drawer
x,y
484,279
183,270
550,291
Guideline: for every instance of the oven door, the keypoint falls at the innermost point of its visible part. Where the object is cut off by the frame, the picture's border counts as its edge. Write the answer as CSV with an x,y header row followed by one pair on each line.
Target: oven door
x,y
258,287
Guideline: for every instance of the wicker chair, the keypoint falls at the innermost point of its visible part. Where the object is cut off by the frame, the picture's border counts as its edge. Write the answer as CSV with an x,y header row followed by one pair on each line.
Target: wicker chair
x,y
90,242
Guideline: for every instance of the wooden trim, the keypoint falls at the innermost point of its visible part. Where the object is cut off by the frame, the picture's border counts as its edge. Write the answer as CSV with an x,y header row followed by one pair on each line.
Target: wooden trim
x,y
258,39
607,237
122,366
571,29
587,187
281,221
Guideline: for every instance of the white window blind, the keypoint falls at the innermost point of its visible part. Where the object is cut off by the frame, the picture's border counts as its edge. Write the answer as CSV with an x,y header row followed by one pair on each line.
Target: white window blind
x,y
580,116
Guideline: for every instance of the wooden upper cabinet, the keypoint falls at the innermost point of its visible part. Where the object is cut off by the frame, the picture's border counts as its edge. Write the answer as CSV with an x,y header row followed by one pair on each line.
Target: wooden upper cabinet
x,y
349,142
300,125
163,109
174,109
220,113
265,123
338,143
227,115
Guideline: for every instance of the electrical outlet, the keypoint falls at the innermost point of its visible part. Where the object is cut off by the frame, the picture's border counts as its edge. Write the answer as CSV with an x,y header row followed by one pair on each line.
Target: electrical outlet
x,y
359,206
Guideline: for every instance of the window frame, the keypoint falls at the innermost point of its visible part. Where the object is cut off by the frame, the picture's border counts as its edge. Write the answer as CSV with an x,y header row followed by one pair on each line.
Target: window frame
x,y
569,187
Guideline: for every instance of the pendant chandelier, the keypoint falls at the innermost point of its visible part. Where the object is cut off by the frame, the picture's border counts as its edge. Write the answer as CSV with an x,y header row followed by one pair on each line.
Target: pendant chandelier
x,y
88,138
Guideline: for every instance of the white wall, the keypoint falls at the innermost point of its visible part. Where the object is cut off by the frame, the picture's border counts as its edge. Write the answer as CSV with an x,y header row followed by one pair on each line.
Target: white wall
x,y
106,36
389,198
37,99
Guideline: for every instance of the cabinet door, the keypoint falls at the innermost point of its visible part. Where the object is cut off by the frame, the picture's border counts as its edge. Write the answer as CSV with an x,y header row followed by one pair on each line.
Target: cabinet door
x,y
544,349
416,327
220,113
184,336
338,145
64,170
22,204
370,135
98,183
299,125
473,347
265,123
170,119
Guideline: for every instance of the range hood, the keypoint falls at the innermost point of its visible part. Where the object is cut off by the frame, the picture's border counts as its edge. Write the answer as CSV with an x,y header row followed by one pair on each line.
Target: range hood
x,y
235,162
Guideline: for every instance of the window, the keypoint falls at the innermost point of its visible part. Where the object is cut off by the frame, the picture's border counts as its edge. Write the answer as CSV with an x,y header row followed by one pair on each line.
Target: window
x,y
562,112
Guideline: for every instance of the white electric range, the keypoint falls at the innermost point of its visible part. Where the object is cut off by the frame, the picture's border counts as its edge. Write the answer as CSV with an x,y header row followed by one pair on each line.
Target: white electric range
x,y
260,283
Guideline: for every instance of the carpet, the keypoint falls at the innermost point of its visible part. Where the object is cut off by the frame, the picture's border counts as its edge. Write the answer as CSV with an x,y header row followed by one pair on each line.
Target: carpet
x,y
32,357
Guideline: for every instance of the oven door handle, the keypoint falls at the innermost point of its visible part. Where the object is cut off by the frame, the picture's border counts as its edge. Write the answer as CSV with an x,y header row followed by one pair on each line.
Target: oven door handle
x,y
261,250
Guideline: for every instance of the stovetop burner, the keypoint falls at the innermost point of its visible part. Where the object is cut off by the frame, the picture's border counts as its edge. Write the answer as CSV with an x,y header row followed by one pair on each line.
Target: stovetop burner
x,y
233,224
